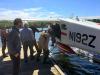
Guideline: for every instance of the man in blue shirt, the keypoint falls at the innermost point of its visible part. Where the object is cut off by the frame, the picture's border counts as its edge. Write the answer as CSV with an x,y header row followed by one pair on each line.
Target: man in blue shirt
x,y
28,40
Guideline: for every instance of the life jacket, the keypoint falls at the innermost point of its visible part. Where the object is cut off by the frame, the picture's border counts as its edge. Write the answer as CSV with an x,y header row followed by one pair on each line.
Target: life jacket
x,y
43,41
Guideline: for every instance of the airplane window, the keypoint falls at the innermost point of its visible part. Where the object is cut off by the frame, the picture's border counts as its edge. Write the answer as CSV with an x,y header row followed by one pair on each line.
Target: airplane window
x,y
57,31
63,26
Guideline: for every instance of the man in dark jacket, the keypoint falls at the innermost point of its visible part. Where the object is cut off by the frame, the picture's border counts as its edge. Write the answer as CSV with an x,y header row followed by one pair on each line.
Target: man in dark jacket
x,y
3,41
14,45
34,29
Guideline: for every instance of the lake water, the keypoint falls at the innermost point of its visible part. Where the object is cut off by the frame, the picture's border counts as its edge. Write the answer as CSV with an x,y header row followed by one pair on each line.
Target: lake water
x,y
74,64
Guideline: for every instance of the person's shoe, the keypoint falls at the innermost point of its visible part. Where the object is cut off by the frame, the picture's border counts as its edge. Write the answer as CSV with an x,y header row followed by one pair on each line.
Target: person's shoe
x,y
37,59
25,61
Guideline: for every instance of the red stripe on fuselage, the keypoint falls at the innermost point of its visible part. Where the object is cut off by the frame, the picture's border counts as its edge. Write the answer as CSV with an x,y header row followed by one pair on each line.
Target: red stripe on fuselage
x,y
65,48
63,33
98,23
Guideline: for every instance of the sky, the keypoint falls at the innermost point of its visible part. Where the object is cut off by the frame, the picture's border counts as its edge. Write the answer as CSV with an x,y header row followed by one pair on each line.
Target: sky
x,y
31,9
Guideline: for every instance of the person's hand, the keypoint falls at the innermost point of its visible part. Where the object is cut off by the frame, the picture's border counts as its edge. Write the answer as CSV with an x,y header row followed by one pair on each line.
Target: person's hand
x,y
17,54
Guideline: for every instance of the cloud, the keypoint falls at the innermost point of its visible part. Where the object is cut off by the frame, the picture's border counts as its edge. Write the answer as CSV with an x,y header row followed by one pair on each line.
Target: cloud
x,y
30,13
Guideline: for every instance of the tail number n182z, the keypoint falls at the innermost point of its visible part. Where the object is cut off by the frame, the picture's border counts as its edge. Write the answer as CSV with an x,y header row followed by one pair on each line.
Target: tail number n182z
x,y
82,38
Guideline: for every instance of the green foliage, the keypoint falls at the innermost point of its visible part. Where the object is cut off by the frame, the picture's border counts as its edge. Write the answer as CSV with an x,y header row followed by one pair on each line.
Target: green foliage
x,y
5,24
95,20
8,24
38,24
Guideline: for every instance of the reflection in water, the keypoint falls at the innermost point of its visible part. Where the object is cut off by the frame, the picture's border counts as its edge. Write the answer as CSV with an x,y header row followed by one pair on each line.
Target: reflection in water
x,y
74,64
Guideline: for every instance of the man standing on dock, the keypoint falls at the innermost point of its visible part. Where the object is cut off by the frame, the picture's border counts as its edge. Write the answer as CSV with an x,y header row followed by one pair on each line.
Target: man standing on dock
x,y
14,45
43,45
34,29
4,41
28,40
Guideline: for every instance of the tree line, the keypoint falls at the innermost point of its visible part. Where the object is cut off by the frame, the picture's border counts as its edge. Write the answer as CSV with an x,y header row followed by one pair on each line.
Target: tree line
x,y
9,24
95,20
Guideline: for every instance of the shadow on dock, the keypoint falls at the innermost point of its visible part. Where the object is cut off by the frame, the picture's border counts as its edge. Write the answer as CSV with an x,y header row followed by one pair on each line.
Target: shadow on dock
x,y
31,68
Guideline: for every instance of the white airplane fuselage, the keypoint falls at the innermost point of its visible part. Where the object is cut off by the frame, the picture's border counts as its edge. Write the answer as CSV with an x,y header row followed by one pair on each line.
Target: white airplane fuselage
x,y
81,34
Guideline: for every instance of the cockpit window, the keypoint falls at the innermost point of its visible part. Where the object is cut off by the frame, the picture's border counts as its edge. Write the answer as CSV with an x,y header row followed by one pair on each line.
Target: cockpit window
x,y
56,30
63,26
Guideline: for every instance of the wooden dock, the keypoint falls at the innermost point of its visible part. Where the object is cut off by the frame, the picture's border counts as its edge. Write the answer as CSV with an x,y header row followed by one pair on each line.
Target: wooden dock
x,y
31,68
